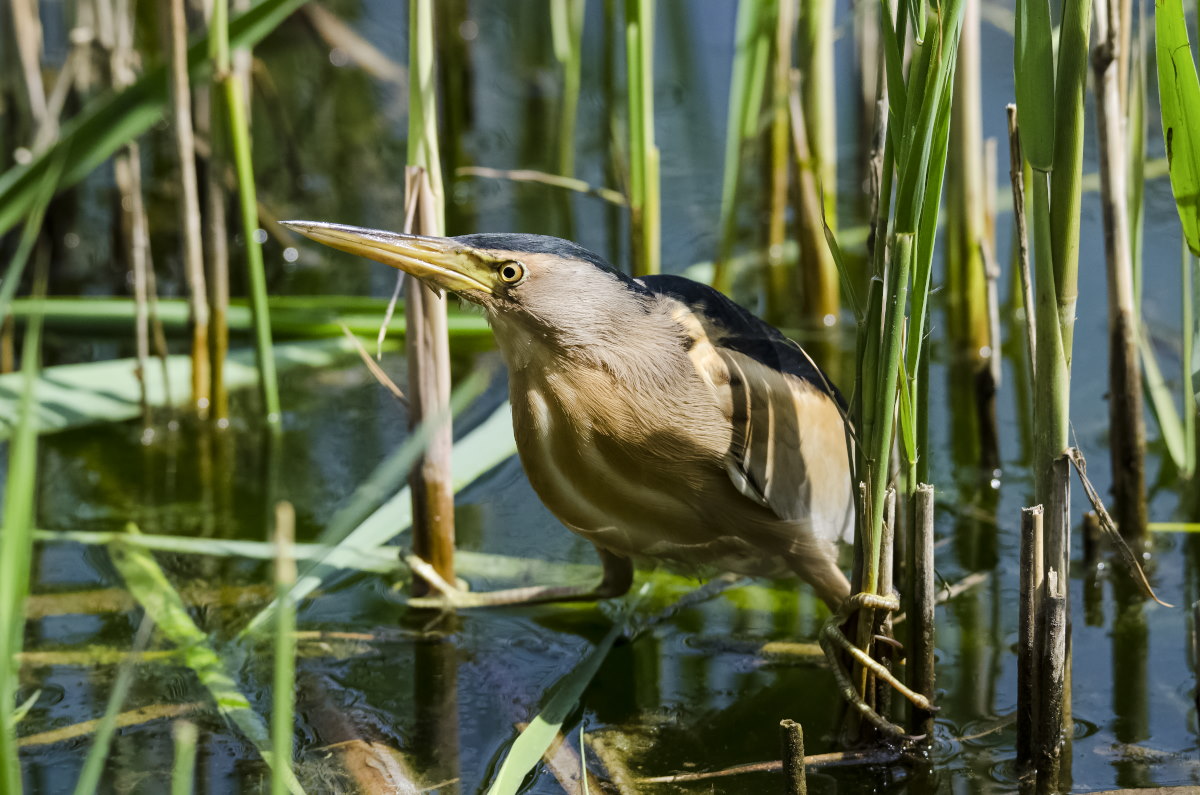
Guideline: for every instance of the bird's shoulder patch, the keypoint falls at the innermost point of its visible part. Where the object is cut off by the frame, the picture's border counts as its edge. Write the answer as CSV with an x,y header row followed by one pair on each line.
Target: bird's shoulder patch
x,y
726,324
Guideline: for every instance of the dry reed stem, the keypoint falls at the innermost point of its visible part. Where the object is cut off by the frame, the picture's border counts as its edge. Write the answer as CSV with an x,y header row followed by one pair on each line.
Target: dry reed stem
x,y
189,206
1052,690
819,276
372,766
1075,456
795,780
874,756
1126,424
132,717
340,36
27,30
1031,585
373,366
921,639
428,351
541,177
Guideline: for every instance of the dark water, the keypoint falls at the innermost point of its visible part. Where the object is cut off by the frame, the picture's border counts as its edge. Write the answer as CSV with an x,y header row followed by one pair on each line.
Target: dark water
x,y
692,694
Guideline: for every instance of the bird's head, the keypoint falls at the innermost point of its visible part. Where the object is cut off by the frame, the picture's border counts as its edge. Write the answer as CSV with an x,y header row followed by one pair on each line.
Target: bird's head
x,y
497,271
551,286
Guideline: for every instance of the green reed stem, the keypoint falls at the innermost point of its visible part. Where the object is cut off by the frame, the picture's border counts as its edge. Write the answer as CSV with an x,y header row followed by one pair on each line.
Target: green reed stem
x,y
284,681
93,766
239,131
183,772
752,48
644,201
16,543
1188,321
566,24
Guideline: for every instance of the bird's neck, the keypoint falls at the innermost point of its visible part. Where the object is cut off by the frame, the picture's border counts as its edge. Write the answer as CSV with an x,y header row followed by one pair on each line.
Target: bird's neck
x,y
637,354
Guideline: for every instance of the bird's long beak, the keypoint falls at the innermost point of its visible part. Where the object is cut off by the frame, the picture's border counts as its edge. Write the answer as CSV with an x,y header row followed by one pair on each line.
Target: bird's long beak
x,y
440,262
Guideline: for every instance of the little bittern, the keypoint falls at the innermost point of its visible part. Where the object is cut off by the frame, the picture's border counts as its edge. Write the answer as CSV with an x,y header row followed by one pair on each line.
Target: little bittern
x,y
655,418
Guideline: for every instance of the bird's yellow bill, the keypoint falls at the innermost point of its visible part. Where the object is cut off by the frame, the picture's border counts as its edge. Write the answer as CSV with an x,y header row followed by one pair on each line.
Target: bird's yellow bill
x,y
438,261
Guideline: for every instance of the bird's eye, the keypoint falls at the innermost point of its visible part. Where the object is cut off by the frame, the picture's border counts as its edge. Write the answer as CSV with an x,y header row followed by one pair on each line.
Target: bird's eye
x,y
511,272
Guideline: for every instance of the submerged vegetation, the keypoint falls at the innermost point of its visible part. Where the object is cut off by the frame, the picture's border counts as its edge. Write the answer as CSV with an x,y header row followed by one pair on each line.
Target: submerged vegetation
x,y
242,558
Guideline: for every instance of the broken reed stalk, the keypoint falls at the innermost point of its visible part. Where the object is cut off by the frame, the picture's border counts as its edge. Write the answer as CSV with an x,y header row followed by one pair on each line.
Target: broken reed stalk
x,y
1052,647
644,203
779,166
1126,425
1032,575
175,34
795,781
1016,175
427,343
236,114
1052,714
921,627
284,680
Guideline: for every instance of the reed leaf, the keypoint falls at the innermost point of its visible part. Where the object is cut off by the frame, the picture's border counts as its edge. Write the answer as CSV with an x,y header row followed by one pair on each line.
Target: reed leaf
x,y
291,316
74,395
352,524
1033,65
93,765
112,120
1179,99
158,597
527,750
16,542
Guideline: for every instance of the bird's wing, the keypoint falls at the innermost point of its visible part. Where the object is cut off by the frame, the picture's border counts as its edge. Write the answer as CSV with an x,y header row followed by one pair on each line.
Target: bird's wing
x,y
787,444
732,327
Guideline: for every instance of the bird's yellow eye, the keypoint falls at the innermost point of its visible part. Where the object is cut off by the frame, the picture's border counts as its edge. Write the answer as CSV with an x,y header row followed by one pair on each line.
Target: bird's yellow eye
x,y
511,272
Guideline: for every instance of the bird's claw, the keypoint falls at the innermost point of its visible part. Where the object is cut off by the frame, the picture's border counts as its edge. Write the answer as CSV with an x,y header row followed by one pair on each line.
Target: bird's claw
x,y
834,642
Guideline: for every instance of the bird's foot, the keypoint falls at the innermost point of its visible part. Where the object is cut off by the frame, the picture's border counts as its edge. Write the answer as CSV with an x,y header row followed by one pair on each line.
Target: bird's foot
x,y
834,642
452,597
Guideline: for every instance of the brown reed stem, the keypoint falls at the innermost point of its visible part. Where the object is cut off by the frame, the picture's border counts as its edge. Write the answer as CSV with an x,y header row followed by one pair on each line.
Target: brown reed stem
x,y
921,640
427,346
1053,687
1031,584
27,31
127,168
795,782
189,207
818,275
1126,425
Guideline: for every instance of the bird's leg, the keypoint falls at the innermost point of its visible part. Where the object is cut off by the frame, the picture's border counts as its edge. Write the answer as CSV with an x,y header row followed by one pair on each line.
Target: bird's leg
x,y
834,641
615,580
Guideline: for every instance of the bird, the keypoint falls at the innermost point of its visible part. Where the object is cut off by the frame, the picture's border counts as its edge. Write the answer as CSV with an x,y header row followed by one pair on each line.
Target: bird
x,y
653,416
656,418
